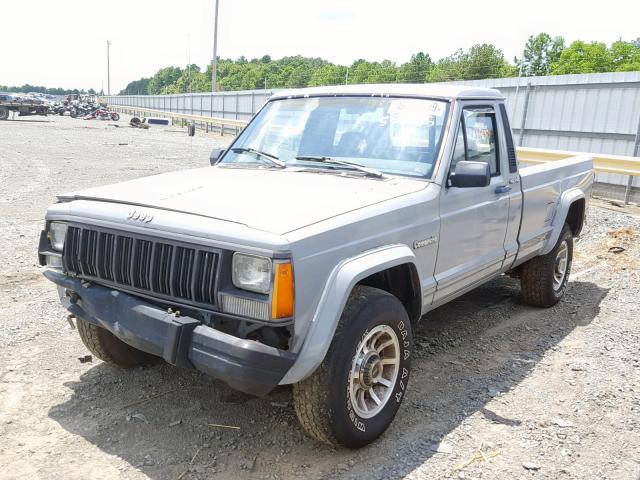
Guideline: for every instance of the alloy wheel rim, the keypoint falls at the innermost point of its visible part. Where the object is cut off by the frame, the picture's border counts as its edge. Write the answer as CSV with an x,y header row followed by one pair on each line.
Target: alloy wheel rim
x,y
561,263
374,371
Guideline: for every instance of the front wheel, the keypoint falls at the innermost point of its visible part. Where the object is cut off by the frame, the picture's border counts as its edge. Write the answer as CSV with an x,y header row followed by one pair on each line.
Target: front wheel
x,y
543,279
354,395
4,113
115,116
110,349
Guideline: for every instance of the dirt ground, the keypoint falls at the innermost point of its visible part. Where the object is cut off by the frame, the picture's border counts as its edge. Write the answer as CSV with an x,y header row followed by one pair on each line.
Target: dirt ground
x,y
499,390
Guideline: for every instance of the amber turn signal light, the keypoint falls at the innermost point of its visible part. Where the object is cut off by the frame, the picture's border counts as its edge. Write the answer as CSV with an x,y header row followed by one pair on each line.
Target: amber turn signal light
x,y
282,300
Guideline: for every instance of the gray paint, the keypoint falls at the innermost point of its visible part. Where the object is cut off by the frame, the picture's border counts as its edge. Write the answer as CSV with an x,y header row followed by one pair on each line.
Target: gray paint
x,y
338,230
213,192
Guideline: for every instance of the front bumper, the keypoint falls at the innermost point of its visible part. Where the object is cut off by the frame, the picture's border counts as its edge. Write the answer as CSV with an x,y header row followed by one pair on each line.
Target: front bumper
x,y
244,365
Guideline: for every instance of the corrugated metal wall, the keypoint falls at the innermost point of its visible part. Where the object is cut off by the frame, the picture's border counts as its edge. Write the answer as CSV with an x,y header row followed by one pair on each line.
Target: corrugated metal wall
x,y
596,113
240,105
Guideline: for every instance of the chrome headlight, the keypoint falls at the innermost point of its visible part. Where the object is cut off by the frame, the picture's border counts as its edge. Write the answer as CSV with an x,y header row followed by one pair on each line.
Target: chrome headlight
x,y
57,234
251,272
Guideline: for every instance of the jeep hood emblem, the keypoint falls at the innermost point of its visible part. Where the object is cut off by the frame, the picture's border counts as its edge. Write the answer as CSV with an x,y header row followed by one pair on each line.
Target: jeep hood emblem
x,y
139,216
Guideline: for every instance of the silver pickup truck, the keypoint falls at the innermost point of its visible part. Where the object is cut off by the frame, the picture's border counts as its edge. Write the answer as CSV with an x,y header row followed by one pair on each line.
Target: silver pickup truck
x,y
310,248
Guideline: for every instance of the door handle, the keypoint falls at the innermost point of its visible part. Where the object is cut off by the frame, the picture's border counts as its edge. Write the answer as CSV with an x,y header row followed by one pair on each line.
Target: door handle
x,y
503,189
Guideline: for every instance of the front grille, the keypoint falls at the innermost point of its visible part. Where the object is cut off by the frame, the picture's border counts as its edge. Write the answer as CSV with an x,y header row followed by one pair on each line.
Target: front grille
x,y
154,267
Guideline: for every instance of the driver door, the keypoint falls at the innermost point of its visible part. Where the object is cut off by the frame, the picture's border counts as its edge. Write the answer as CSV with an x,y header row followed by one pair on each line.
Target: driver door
x,y
473,219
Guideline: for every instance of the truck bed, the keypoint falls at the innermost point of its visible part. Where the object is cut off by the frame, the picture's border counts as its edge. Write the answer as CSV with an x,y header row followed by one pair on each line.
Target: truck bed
x,y
543,186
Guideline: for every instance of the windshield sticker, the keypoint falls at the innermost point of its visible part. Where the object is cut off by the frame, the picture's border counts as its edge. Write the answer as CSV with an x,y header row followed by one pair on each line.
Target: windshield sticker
x,y
437,108
414,109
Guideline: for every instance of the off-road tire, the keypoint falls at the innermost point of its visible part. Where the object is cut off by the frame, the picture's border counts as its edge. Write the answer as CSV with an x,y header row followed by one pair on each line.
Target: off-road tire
x,y
537,275
322,402
110,349
4,113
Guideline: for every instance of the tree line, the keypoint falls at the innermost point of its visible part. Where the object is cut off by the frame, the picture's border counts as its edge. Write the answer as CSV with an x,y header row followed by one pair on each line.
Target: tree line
x,y
542,55
26,88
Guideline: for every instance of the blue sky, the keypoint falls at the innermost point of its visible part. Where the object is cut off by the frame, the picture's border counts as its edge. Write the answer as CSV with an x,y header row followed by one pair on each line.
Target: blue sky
x,y
65,44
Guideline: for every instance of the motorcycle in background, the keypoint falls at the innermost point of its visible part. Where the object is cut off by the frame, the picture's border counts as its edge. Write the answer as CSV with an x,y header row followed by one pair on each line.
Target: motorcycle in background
x,y
103,114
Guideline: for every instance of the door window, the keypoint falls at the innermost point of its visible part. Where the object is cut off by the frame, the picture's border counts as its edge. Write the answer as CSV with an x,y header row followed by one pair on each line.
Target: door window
x,y
476,139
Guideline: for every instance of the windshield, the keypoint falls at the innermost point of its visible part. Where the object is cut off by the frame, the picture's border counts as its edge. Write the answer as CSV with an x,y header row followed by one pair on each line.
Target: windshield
x,y
398,136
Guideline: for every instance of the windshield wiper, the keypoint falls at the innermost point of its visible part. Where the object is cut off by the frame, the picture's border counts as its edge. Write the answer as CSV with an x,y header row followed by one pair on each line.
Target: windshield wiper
x,y
261,155
356,166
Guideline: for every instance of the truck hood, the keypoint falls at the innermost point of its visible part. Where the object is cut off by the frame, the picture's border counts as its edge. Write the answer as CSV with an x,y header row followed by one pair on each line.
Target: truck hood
x,y
276,201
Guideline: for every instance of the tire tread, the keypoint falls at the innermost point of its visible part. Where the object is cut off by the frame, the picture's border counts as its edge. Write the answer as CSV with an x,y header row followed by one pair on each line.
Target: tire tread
x,y
536,274
108,348
310,396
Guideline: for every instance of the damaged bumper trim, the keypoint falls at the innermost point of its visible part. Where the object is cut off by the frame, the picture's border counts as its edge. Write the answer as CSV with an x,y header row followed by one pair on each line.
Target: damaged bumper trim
x,y
244,365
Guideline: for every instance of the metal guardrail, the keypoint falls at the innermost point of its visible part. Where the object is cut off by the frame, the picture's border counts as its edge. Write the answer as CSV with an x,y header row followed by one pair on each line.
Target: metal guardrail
x,y
208,123
620,164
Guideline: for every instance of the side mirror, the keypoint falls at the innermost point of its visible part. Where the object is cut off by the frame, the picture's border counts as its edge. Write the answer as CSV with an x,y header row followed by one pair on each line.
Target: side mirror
x,y
215,155
470,174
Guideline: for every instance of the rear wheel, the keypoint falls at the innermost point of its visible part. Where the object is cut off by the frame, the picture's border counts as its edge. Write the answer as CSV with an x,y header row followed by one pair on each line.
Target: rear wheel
x,y
109,348
4,113
354,394
543,279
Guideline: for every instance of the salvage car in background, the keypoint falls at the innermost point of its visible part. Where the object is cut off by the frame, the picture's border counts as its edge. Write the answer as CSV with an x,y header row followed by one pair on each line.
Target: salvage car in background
x,y
309,250
23,104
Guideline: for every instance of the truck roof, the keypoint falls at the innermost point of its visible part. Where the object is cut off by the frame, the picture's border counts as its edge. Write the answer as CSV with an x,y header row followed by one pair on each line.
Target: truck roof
x,y
430,90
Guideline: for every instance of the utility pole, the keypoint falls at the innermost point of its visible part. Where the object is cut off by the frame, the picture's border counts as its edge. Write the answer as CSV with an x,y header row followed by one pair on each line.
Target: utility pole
x,y
515,100
189,62
108,70
214,61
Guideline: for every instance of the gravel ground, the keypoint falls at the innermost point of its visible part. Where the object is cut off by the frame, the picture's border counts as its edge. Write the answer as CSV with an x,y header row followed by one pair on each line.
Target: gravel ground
x,y
498,390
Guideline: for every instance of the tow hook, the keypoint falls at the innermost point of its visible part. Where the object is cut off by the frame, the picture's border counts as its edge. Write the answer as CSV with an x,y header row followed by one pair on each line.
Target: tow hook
x,y
73,296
